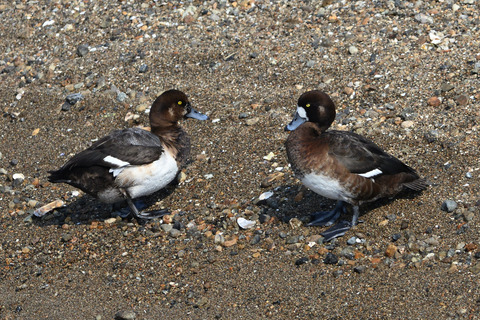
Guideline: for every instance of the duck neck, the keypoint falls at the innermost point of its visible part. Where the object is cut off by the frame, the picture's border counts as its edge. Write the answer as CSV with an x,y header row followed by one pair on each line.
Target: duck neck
x,y
175,141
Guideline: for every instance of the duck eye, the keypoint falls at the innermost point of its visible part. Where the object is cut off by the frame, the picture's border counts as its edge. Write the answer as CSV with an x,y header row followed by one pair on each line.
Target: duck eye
x,y
180,102
307,105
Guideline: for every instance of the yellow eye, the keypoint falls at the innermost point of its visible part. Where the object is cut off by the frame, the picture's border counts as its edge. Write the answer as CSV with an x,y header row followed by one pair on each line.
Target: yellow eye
x,y
307,105
180,102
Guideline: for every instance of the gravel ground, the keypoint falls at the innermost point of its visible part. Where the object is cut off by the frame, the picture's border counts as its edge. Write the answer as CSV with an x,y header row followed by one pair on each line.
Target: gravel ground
x,y
404,74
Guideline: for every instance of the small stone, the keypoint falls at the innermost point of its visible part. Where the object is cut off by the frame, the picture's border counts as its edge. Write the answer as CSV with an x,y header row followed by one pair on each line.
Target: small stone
x,y
352,241
121,96
82,50
348,91
468,175
256,239
174,233
431,136
166,227
291,240
110,220
445,87
461,99
143,68
310,63
330,258
352,50
295,223
434,101
449,205
73,98
396,237
66,237
391,250
125,315
407,124
460,246
301,261
360,269
142,107
219,239
243,115
252,121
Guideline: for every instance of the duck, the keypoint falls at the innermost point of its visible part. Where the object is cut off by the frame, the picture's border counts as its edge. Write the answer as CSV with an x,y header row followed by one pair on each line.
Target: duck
x,y
133,163
341,165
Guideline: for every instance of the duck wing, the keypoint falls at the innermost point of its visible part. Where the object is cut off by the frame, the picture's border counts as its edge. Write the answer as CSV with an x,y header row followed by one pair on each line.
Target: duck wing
x,y
363,157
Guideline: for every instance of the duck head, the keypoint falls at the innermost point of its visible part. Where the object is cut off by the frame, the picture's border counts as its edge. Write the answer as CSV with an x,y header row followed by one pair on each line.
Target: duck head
x,y
313,106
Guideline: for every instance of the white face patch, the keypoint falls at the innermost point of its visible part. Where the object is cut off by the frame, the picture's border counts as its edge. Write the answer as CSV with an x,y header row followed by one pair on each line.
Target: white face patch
x,y
115,161
326,186
302,113
372,173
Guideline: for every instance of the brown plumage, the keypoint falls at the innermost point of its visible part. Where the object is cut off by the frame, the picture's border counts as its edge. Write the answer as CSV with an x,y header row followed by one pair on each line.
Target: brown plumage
x,y
341,165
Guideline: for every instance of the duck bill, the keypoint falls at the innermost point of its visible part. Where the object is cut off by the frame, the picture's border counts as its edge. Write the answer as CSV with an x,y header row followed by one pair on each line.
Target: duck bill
x,y
192,113
295,123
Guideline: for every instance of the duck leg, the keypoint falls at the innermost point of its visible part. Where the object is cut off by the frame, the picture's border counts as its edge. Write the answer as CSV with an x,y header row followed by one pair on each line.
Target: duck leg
x,y
148,215
327,218
342,227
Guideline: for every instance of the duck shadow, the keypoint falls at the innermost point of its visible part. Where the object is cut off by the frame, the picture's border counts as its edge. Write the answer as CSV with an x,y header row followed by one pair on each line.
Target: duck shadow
x,y
85,209
312,202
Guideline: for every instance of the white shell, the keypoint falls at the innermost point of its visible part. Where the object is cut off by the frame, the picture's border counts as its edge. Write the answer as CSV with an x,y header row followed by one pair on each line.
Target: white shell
x,y
265,195
245,224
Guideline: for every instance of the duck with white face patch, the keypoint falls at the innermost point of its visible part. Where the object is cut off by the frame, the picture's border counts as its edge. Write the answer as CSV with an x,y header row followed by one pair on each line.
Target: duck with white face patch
x,y
341,165
132,163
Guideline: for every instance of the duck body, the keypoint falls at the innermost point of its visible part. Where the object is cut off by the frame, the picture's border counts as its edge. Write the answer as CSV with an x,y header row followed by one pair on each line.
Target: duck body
x,y
133,163
341,165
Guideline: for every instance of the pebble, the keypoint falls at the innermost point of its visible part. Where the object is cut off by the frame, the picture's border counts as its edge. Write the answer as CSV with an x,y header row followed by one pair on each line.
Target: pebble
x,y
219,239
174,233
252,121
391,250
352,241
360,269
143,68
125,315
301,261
330,258
73,98
434,101
121,96
445,87
66,237
352,50
82,50
166,227
255,240
449,206
407,124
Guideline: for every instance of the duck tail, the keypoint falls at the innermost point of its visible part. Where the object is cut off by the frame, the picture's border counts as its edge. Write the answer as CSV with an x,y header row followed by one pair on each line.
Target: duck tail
x,y
417,185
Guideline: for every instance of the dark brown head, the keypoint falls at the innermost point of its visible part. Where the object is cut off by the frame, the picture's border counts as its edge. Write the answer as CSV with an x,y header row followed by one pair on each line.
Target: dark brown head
x,y
170,107
313,106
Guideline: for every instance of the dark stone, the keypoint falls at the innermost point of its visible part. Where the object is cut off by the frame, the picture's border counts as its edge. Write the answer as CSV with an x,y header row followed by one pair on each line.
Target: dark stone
x,y
360,269
143,68
74,98
396,236
82,50
330,258
301,261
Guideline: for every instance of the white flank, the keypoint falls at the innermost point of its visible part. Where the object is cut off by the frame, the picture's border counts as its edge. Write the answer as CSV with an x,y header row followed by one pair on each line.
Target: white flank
x,y
146,179
325,186
115,161
369,174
